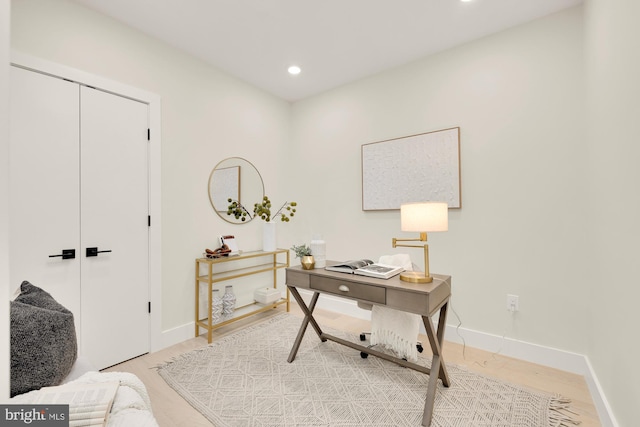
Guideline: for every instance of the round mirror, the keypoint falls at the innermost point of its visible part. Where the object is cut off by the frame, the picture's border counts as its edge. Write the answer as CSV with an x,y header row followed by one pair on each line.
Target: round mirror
x,y
237,179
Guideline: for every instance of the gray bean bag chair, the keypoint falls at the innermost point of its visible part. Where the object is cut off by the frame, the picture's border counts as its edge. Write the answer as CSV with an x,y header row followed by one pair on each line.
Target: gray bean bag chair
x,y
43,340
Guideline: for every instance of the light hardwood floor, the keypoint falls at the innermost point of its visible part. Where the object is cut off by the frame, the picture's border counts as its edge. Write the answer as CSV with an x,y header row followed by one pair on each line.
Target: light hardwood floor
x,y
171,410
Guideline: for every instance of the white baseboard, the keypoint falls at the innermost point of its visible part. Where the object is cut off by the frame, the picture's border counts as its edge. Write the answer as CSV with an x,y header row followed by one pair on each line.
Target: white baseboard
x,y
551,357
605,412
186,331
178,334
547,356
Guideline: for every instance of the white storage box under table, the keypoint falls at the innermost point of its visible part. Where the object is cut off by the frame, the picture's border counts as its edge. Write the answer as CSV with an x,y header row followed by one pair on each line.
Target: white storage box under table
x,y
267,295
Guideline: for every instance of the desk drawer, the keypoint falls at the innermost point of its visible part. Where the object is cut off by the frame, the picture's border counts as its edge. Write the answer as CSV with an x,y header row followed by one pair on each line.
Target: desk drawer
x,y
359,291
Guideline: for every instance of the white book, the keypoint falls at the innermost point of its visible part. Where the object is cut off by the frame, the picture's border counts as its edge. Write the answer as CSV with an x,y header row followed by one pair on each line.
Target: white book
x,y
366,267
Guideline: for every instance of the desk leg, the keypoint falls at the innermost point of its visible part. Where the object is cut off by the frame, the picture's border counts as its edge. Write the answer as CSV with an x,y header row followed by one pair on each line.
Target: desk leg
x,y
308,317
437,364
442,323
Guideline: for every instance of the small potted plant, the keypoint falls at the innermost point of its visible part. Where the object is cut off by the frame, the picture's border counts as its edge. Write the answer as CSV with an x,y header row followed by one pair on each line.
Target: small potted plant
x,y
306,257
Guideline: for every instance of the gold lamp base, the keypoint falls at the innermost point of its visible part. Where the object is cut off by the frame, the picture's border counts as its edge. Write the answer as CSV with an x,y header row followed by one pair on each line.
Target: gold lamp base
x,y
415,277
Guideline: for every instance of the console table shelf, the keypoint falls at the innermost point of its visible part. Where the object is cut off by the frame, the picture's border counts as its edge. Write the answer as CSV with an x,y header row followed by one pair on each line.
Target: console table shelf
x,y
233,272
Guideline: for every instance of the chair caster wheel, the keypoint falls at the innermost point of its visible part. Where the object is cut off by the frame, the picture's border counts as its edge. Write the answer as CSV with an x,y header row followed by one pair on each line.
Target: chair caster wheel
x,y
363,337
420,348
364,355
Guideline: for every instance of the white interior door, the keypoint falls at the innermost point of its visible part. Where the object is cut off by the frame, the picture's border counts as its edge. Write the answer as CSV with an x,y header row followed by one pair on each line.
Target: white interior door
x,y
114,207
44,185
79,170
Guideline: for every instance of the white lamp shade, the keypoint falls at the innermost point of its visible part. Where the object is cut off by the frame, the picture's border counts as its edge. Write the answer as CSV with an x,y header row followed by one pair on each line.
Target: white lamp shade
x,y
425,216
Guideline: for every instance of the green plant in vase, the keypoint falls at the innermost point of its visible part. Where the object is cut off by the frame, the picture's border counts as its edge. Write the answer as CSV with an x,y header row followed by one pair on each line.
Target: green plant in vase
x,y
301,251
262,210
306,256
236,209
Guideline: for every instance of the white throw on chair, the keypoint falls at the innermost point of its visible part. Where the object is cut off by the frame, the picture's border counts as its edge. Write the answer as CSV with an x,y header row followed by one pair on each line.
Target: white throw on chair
x,y
394,329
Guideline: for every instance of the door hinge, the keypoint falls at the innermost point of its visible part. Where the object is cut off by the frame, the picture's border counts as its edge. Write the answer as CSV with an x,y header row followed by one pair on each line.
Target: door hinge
x,y
148,134
149,220
149,306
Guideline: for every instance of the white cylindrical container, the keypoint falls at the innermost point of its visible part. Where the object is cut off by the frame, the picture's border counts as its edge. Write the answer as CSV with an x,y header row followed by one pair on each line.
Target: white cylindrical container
x,y
269,236
319,251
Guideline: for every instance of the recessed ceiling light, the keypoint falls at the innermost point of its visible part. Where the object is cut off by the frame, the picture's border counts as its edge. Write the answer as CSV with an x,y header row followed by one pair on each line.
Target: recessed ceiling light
x,y
294,70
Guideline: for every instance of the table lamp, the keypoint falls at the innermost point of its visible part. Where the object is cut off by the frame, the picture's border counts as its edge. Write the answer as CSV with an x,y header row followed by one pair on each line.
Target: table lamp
x,y
421,217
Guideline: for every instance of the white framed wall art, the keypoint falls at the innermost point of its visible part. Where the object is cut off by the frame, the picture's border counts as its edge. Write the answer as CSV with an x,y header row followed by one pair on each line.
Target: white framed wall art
x,y
417,168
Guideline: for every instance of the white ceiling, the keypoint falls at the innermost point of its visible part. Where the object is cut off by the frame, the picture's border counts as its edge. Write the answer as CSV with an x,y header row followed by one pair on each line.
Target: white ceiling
x,y
333,41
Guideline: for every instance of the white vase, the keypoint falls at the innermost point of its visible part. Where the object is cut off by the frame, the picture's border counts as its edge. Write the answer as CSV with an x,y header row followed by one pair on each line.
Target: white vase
x,y
228,301
216,307
269,236
319,251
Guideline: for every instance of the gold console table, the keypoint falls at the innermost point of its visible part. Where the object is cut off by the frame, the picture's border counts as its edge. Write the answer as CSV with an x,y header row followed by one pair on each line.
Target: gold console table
x,y
271,264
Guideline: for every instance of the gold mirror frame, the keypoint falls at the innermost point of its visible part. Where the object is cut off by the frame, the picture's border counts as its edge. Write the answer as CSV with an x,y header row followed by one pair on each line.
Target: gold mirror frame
x,y
238,179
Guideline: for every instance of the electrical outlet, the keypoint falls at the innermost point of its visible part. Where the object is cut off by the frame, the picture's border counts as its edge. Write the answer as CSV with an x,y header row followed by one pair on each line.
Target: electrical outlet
x,y
512,303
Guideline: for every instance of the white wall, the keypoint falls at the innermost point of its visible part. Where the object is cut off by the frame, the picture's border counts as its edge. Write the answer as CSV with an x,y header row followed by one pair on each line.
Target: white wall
x,y
206,117
532,166
518,98
4,198
613,61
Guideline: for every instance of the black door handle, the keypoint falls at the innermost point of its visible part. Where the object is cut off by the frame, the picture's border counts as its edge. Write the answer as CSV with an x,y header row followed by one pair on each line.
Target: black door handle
x,y
66,254
95,252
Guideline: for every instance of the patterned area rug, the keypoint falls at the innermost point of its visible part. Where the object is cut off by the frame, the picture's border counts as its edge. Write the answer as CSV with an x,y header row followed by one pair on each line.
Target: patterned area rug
x,y
244,380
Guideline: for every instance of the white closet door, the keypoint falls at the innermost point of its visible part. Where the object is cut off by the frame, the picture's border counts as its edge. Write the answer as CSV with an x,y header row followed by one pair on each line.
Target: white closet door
x,y
44,185
114,206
